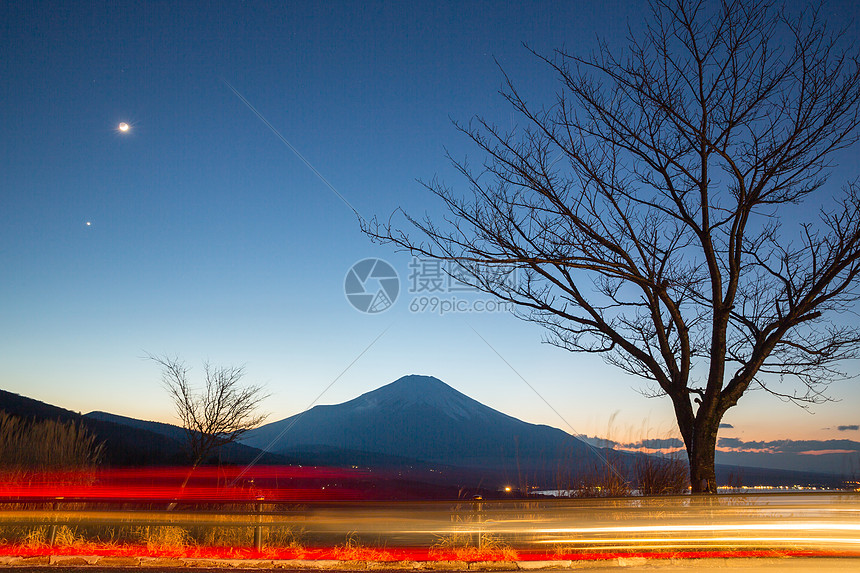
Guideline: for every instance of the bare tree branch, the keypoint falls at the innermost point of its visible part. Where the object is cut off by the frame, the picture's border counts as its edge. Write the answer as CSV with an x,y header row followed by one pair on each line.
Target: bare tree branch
x,y
668,237
216,414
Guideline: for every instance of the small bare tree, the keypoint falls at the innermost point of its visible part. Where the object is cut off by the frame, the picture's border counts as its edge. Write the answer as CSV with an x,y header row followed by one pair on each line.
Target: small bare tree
x,y
644,209
217,414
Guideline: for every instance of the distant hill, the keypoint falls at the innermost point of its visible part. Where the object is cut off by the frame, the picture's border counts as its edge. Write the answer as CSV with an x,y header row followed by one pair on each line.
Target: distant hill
x,y
128,442
24,407
124,446
167,430
230,453
843,459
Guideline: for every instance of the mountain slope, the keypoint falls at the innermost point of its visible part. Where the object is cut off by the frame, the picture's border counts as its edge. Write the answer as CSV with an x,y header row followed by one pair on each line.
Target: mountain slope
x,y
124,445
230,453
167,430
128,441
423,418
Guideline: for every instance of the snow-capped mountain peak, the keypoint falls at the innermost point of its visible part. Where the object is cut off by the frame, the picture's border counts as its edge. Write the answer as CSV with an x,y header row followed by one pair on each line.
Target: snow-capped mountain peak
x,y
421,392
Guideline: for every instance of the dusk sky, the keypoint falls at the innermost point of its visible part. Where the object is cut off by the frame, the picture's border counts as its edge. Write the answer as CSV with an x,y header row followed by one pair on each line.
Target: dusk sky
x,y
199,232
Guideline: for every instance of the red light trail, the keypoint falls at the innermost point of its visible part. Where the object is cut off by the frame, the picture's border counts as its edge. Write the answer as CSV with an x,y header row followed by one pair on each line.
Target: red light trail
x,y
339,518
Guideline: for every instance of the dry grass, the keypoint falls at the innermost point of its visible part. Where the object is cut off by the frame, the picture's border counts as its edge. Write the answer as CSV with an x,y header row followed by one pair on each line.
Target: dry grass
x,y
223,536
284,537
161,537
64,536
463,547
354,550
33,446
625,471
604,478
668,475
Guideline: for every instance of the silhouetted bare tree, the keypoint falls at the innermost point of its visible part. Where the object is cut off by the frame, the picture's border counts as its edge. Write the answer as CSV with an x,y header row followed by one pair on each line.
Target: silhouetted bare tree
x,y
216,414
645,209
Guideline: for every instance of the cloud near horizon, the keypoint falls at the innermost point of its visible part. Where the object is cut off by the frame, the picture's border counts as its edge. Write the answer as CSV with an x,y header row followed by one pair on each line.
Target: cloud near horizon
x,y
796,447
848,427
792,447
648,445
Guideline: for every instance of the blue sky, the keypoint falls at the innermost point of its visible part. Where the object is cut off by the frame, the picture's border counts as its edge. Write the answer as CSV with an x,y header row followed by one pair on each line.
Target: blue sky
x,y
211,239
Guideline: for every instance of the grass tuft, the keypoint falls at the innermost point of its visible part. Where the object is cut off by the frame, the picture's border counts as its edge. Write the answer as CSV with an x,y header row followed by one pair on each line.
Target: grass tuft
x,y
353,550
463,547
162,537
31,446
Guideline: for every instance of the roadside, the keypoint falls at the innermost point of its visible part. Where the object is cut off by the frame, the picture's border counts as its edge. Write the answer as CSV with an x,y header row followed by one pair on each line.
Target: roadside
x,y
95,564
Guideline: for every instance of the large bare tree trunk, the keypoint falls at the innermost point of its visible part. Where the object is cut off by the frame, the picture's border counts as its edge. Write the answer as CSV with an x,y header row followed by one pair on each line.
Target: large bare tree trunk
x,y
701,454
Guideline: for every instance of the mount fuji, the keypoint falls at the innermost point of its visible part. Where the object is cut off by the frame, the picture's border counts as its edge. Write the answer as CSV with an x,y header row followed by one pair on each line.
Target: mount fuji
x,y
422,418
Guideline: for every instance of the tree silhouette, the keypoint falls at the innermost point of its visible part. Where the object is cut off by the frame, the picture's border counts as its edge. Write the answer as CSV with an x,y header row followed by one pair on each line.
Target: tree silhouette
x,y
216,414
671,210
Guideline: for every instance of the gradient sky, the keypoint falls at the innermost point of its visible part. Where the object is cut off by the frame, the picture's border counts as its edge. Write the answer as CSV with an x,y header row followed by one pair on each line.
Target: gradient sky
x,y
209,238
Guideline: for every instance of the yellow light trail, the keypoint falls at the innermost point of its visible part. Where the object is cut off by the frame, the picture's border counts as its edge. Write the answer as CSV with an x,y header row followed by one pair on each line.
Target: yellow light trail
x,y
793,522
